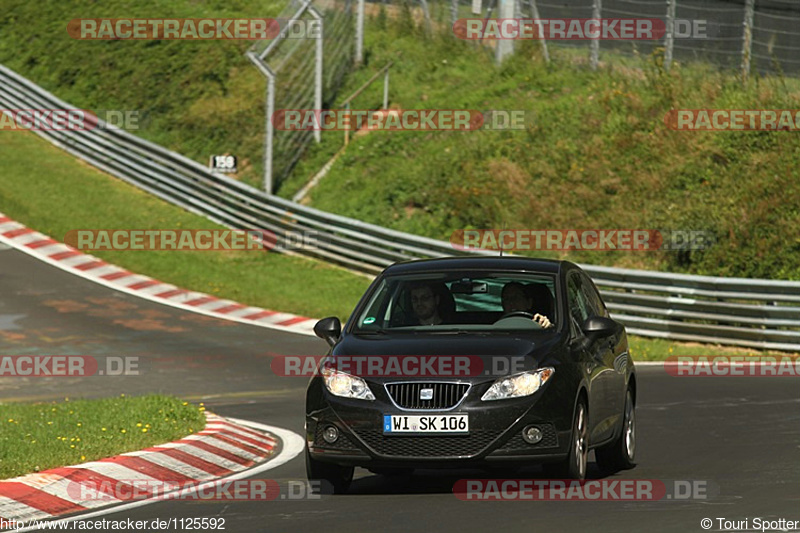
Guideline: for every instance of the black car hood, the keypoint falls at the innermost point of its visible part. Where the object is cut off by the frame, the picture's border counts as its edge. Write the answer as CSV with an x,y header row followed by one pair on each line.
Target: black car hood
x,y
535,350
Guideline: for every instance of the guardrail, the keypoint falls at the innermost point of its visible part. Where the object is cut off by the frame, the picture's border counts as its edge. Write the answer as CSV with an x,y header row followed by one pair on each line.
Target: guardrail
x,y
746,312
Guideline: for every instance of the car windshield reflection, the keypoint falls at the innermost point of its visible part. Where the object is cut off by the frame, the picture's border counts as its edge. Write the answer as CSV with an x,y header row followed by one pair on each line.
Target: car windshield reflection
x,y
461,302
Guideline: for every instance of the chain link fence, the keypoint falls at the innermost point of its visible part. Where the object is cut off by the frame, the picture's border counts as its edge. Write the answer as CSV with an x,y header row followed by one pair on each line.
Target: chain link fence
x,y
306,73
303,73
763,33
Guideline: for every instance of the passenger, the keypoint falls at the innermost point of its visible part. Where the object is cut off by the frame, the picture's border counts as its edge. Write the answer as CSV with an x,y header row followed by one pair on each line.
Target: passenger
x,y
515,299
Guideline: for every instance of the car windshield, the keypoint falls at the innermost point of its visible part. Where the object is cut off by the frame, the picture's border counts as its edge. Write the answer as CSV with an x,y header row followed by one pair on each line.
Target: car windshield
x,y
459,301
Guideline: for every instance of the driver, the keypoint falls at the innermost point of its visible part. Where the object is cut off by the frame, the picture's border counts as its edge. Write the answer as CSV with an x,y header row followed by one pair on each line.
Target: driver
x,y
516,299
425,304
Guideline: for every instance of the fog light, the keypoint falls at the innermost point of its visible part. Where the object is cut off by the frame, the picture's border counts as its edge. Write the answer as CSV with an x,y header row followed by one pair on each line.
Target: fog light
x,y
532,435
331,434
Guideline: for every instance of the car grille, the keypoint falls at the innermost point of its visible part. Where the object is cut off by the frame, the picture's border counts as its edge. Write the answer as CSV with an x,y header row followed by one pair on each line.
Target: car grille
x,y
428,446
445,395
549,440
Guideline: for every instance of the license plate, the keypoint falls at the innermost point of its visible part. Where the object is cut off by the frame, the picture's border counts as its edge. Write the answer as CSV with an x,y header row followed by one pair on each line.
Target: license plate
x,y
425,424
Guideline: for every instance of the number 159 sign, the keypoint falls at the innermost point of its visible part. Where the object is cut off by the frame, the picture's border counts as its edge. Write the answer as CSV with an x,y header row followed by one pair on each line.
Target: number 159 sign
x,y
223,163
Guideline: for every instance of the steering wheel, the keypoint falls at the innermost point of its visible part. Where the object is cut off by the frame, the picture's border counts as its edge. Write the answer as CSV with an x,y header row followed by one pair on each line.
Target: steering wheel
x,y
523,314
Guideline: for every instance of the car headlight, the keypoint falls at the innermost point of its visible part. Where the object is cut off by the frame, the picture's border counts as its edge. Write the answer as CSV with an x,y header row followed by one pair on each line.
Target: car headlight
x,y
345,385
518,385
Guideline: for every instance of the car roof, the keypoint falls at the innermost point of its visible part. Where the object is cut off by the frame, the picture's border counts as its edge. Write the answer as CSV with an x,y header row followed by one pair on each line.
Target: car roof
x,y
510,263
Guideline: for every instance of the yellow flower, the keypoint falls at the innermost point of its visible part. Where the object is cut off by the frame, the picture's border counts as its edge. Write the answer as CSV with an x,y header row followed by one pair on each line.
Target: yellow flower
x,y
144,430
124,430
138,424
102,429
83,457
49,423
80,425
71,445
10,420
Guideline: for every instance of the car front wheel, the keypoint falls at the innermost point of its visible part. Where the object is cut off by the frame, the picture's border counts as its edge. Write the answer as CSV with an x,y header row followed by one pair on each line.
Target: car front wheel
x,y
621,454
574,466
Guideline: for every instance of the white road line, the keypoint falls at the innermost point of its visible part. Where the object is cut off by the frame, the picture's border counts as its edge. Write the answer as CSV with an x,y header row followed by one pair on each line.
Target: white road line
x,y
301,328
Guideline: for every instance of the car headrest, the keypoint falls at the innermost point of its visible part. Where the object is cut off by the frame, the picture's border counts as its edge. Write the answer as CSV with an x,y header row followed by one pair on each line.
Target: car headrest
x,y
543,301
447,303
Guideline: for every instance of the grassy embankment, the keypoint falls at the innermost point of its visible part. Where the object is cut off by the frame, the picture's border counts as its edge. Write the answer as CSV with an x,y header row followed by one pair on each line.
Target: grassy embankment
x,y
35,437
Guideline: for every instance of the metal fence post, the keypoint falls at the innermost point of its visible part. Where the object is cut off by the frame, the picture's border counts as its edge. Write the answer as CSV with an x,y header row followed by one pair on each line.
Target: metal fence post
x,y
318,56
669,37
747,45
360,33
540,30
597,7
386,90
270,134
453,11
504,47
427,13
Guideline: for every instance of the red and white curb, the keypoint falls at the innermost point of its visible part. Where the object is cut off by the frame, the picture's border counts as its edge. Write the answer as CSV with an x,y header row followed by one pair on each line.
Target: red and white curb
x,y
225,448
89,267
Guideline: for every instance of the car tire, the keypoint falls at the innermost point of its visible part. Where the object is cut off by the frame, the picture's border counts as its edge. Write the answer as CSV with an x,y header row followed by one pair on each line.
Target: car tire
x,y
621,454
574,466
334,479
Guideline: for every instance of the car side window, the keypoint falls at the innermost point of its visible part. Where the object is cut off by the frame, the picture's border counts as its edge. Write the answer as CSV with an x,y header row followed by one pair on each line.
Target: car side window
x,y
578,306
595,303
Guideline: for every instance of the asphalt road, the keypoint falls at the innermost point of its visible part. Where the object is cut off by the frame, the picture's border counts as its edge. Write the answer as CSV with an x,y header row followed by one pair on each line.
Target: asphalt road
x,y
740,436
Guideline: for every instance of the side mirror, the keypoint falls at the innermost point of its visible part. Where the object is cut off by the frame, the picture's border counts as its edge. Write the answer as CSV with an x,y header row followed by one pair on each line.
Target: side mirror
x,y
328,329
600,326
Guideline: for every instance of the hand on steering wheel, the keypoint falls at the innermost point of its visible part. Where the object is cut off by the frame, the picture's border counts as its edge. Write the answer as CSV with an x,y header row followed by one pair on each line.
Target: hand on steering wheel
x,y
539,319
543,321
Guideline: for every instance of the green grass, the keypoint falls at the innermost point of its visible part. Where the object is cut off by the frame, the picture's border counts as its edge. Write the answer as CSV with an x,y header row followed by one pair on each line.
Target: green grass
x,y
76,196
596,153
46,189
645,349
39,436
197,97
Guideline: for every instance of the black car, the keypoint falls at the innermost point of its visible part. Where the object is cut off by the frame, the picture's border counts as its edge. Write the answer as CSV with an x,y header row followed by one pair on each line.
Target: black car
x,y
554,378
